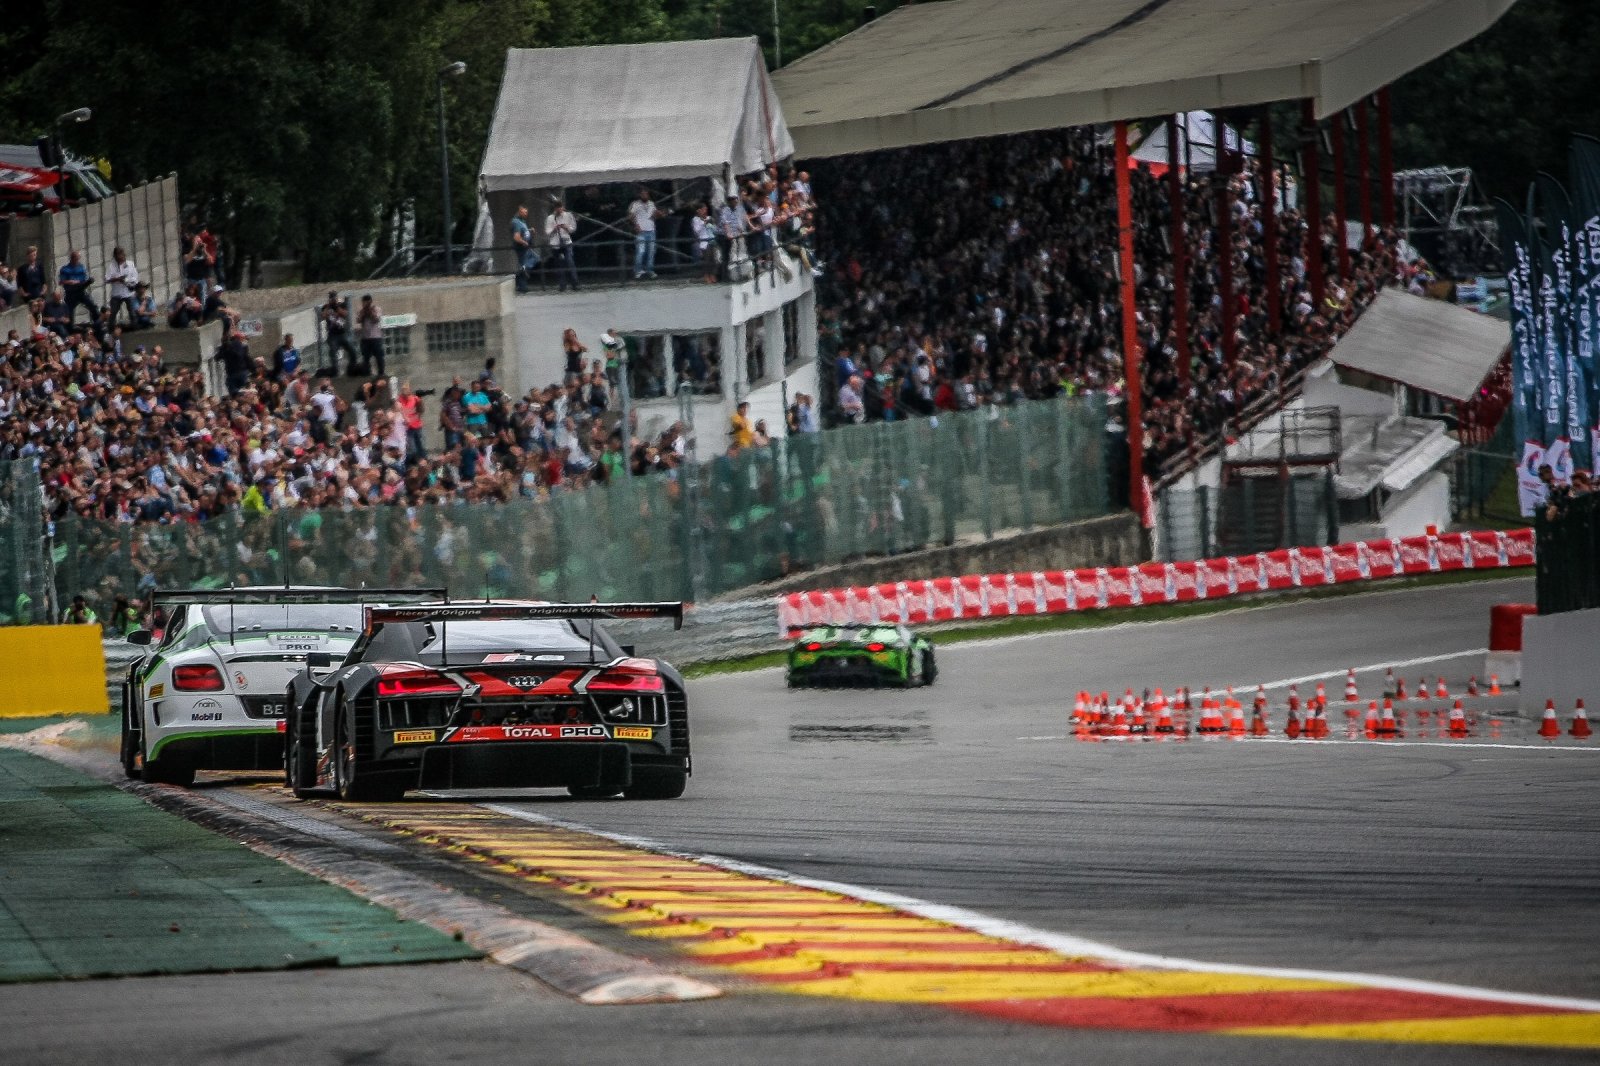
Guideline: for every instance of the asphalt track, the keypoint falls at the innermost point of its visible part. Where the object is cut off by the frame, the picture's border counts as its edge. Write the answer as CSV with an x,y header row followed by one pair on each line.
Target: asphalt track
x,y
1472,862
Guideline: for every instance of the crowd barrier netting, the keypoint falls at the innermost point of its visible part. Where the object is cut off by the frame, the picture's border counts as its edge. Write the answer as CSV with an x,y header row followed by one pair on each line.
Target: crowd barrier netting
x,y
978,596
735,521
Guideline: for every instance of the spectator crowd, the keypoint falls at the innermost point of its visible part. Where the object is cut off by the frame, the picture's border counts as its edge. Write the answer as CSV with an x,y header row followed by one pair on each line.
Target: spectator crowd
x,y
985,271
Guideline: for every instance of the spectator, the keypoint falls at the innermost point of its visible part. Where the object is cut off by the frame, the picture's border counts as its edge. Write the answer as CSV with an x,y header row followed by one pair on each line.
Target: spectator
x,y
739,425
74,280
31,277
285,358
452,417
79,613
236,364
57,314
522,248
614,347
851,406
143,309
573,351
369,320
335,316
559,227
476,405
186,308
123,277
643,212
731,228
705,243
9,294
411,408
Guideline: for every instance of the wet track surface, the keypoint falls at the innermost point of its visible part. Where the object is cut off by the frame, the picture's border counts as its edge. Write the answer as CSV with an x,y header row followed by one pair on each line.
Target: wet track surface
x,y
1469,861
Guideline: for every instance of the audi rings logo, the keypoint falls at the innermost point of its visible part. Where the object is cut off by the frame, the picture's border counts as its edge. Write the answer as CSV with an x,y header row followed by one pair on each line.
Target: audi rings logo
x,y
525,681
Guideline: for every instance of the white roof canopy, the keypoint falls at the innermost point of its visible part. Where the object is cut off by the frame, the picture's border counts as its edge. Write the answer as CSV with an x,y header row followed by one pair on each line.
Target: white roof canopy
x,y
1427,344
632,112
975,68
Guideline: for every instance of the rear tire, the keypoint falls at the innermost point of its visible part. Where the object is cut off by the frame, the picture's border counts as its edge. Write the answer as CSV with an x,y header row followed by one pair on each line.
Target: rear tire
x,y
930,669
166,772
590,792
657,784
353,786
299,758
130,753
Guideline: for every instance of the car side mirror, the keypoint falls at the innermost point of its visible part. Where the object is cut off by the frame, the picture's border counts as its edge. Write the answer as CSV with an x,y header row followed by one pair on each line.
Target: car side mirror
x,y
319,660
141,637
627,649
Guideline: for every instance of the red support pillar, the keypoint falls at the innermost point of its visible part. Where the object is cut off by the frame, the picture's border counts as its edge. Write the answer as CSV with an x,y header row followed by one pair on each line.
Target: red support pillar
x,y
1223,224
1311,179
1269,222
1385,159
1341,247
1180,253
1364,169
1133,388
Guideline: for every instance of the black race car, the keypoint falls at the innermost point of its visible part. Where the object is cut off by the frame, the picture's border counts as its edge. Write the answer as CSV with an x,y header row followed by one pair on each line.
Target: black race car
x,y
490,695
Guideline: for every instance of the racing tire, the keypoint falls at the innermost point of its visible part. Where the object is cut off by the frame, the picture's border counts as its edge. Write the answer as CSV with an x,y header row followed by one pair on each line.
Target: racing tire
x,y
930,669
299,758
349,782
130,752
657,785
590,792
167,772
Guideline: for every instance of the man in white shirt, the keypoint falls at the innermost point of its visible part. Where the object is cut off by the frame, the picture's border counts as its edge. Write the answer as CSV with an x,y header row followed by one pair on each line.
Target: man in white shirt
x,y
705,242
122,276
731,226
644,213
559,226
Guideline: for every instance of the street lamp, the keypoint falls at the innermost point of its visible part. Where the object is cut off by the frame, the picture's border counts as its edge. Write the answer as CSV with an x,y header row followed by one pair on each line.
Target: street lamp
x,y
82,114
453,70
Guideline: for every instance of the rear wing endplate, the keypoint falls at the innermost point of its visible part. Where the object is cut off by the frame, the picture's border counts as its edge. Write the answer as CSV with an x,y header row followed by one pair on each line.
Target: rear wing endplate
x,y
460,612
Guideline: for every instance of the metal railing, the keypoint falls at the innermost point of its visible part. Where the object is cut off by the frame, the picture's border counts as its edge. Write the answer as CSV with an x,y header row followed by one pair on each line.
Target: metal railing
x,y
1252,414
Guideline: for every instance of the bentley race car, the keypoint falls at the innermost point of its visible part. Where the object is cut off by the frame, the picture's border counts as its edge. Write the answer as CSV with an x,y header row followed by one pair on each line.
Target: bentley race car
x,y
490,695
876,654
208,692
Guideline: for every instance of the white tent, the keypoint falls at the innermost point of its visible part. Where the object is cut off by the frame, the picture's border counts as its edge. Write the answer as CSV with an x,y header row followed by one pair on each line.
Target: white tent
x,y
632,112
1197,134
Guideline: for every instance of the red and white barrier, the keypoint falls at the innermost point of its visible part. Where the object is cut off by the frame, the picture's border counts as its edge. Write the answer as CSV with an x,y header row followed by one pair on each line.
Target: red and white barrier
x,y
948,599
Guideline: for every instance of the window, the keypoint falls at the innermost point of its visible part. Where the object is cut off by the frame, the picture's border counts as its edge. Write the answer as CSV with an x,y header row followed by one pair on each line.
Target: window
x,y
396,341
791,334
697,361
647,367
659,363
463,336
755,350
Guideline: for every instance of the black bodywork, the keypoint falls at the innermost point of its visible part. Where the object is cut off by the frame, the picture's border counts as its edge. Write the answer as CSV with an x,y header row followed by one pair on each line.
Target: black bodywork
x,y
491,696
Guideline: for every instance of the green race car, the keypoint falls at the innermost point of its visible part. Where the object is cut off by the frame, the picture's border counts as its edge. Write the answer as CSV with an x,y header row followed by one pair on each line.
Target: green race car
x,y
879,654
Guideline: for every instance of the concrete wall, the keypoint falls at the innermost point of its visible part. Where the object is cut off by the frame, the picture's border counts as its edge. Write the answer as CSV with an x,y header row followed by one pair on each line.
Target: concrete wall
x,y
1559,663
189,347
1111,540
15,318
143,220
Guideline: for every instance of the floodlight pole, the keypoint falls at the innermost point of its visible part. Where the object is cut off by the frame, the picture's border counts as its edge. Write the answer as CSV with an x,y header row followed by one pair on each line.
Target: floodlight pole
x,y
1364,171
1341,248
1132,388
1311,178
1222,178
1269,221
1385,159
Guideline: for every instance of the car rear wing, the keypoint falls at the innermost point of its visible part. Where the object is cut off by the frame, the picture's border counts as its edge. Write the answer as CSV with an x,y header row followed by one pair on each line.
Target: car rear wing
x,y
504,612
256,594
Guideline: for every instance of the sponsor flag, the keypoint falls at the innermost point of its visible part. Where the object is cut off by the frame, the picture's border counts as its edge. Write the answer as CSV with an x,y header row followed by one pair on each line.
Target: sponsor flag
x,y
1559,246
1551,362
1530,490
1522,281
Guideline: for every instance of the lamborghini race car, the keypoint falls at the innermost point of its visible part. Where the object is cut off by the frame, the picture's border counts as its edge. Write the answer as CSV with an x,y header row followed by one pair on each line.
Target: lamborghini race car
x,y
490,695
208,692
879,654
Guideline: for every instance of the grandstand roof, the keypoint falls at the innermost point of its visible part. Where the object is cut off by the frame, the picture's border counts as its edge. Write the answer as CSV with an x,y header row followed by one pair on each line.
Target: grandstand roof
x,y
632,112
974,68
1427,344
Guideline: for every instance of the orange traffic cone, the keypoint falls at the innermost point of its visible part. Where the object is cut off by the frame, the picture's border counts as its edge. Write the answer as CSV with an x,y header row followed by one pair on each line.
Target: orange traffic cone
x,y
1103,712
1322,693
1080,707
1159,703
1458,721
1210,717
1372,719
1230,701
1183,698
1258,722
1236,720
1440,692
1317,725
1580,722
1350,693
1387,726
1294,697
1422,689
1291,728
1400,689
1549,727
1389,682
1163,719
1119,722
1494,684
1138,724
1472,685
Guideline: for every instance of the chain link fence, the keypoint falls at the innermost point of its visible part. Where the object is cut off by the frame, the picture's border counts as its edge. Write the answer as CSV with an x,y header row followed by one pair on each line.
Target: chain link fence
x,y
25,585
714,527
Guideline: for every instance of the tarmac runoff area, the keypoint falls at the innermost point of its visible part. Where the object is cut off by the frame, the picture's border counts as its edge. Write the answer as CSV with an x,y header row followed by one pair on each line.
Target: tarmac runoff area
x,y
948,866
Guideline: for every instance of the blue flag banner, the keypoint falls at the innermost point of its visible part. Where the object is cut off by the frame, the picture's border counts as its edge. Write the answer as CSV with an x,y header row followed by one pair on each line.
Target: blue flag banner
x,y
1561,351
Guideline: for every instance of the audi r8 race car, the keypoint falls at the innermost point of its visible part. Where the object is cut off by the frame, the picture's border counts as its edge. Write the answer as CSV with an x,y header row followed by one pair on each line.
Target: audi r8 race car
x,y
877,654
490,695
208,692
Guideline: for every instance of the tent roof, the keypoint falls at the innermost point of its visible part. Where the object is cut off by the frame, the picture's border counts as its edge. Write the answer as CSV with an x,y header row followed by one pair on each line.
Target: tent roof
x,y
632,112
1427,344
974,68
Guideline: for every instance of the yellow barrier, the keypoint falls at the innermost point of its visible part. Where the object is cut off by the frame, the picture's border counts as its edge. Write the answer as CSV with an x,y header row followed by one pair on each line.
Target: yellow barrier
x,y
51,670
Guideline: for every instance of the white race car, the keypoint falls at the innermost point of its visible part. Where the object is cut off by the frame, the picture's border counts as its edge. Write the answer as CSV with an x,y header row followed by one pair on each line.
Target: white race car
x,y
208,694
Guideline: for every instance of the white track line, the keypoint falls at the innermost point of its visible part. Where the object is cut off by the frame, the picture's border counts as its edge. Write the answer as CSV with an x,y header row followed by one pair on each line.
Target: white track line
x,y
1393,664
1459,745
1059,942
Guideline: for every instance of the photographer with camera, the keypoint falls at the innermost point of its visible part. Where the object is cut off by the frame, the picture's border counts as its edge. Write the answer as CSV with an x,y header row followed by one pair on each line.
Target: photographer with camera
x,y
335,316
559,227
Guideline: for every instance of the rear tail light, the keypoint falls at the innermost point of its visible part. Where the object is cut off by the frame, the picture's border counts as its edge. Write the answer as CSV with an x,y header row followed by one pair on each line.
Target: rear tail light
x,y
411,682
877,646
197,678
629,675
813,645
